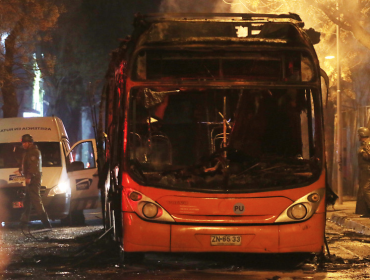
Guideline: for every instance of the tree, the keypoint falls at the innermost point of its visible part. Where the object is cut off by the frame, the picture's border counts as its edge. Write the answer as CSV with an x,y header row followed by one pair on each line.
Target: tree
x,y
352,16
81,44
22,22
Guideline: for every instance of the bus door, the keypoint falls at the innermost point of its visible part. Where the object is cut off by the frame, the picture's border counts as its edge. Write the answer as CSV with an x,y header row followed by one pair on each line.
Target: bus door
x,y
83,175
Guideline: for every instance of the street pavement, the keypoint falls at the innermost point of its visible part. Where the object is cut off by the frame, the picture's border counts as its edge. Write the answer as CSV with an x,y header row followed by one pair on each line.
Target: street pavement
x,y
344,215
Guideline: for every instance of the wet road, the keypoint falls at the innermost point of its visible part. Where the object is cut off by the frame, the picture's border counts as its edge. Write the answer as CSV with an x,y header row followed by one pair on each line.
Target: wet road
x,y
79,253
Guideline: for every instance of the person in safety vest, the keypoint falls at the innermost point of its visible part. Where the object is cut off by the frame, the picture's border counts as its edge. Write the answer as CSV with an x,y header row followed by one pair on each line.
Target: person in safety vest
x,y
363,196
31,169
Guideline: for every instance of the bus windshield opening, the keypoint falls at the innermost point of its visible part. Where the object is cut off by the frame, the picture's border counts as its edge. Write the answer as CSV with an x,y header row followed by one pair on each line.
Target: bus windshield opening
x,y
224,140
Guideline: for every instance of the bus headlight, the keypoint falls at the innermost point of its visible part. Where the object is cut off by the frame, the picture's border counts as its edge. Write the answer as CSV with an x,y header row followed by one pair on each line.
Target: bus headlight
x,y
145,207
150,210
61,188
298,211
303,208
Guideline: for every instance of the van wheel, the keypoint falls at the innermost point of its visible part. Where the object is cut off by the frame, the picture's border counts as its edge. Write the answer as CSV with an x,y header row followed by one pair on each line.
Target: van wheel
x,y
75,218
78,218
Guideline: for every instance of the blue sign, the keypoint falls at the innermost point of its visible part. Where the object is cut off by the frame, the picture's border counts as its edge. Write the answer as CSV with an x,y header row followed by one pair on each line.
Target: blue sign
x,y
83,184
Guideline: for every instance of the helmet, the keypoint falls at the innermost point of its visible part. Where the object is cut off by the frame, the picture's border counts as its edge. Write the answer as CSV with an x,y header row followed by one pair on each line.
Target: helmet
x,y
27,138
364,132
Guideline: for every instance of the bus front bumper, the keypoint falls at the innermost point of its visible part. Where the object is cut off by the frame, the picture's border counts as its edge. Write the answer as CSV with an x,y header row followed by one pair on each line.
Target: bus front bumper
x,y
304,237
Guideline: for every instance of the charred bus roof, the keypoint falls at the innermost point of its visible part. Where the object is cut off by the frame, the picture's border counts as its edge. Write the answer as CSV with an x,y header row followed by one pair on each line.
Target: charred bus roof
x,y
158,29
217,31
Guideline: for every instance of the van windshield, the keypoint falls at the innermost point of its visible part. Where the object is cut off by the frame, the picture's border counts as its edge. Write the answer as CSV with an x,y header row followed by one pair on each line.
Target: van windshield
x,y
11,154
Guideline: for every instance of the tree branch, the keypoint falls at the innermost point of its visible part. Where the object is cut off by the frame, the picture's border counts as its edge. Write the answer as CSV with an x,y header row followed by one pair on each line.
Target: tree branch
x,y
333,17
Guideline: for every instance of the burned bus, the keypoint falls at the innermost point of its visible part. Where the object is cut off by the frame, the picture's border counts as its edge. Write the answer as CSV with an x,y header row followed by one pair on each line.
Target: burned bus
x,y
214,136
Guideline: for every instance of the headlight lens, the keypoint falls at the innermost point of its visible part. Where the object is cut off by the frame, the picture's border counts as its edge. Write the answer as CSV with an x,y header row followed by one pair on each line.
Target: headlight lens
x,y
61,188
150,210
298,211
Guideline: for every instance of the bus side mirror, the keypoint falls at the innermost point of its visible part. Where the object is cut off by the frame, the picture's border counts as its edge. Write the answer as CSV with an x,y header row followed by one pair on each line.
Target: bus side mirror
x,y
314,35
75,166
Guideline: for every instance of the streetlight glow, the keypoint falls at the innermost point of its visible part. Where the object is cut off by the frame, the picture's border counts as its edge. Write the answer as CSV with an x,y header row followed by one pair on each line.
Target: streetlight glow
x,y
329,57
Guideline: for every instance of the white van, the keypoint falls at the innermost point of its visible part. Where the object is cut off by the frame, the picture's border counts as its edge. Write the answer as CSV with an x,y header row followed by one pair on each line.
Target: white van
x,y
69,175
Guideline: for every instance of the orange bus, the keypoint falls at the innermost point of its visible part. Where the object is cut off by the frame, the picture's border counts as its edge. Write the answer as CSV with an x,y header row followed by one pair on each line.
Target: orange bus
x,y
214,136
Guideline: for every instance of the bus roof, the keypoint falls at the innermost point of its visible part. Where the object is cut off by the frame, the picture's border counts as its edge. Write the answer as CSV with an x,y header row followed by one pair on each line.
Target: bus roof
x,y
234,17
218,28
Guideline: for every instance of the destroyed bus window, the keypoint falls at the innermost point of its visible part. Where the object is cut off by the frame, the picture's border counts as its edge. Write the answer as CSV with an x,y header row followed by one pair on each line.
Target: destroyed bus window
x,y
177,140
220,65
207,31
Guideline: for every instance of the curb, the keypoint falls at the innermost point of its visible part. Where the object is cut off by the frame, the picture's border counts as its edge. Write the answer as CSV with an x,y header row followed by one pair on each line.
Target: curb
x,y
344,221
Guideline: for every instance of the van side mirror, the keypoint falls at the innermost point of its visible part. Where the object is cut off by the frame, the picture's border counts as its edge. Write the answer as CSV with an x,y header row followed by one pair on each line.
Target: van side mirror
x,y
75,166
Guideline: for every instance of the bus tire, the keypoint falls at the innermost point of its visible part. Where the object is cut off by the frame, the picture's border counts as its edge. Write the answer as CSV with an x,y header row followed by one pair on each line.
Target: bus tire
x,y
131,257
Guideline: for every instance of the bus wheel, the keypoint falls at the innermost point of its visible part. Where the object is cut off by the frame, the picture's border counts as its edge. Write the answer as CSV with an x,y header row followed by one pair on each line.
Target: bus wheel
x,y
320,260
131,257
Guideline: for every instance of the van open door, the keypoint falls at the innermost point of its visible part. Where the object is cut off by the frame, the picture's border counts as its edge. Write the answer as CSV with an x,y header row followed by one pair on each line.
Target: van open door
x,y
83,176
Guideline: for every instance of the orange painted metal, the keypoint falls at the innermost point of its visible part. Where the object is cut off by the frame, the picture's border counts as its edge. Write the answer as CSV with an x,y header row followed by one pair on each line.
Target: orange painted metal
x,y
303,237
211,206
158,193
143,236
139,235
193,234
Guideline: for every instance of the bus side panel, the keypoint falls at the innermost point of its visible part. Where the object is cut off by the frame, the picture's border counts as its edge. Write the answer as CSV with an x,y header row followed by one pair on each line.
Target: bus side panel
x,y
142,236
255,239
303,237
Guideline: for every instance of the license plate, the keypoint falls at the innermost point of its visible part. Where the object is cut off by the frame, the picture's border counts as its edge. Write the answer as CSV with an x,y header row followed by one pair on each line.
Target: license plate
x,y
226,240
18,204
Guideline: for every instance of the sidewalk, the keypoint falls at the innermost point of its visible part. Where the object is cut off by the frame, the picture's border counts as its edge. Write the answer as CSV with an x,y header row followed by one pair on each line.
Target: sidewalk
x,y
344,215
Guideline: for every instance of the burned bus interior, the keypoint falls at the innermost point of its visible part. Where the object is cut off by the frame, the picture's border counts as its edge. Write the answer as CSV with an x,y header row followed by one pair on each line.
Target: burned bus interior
x,y
224,139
